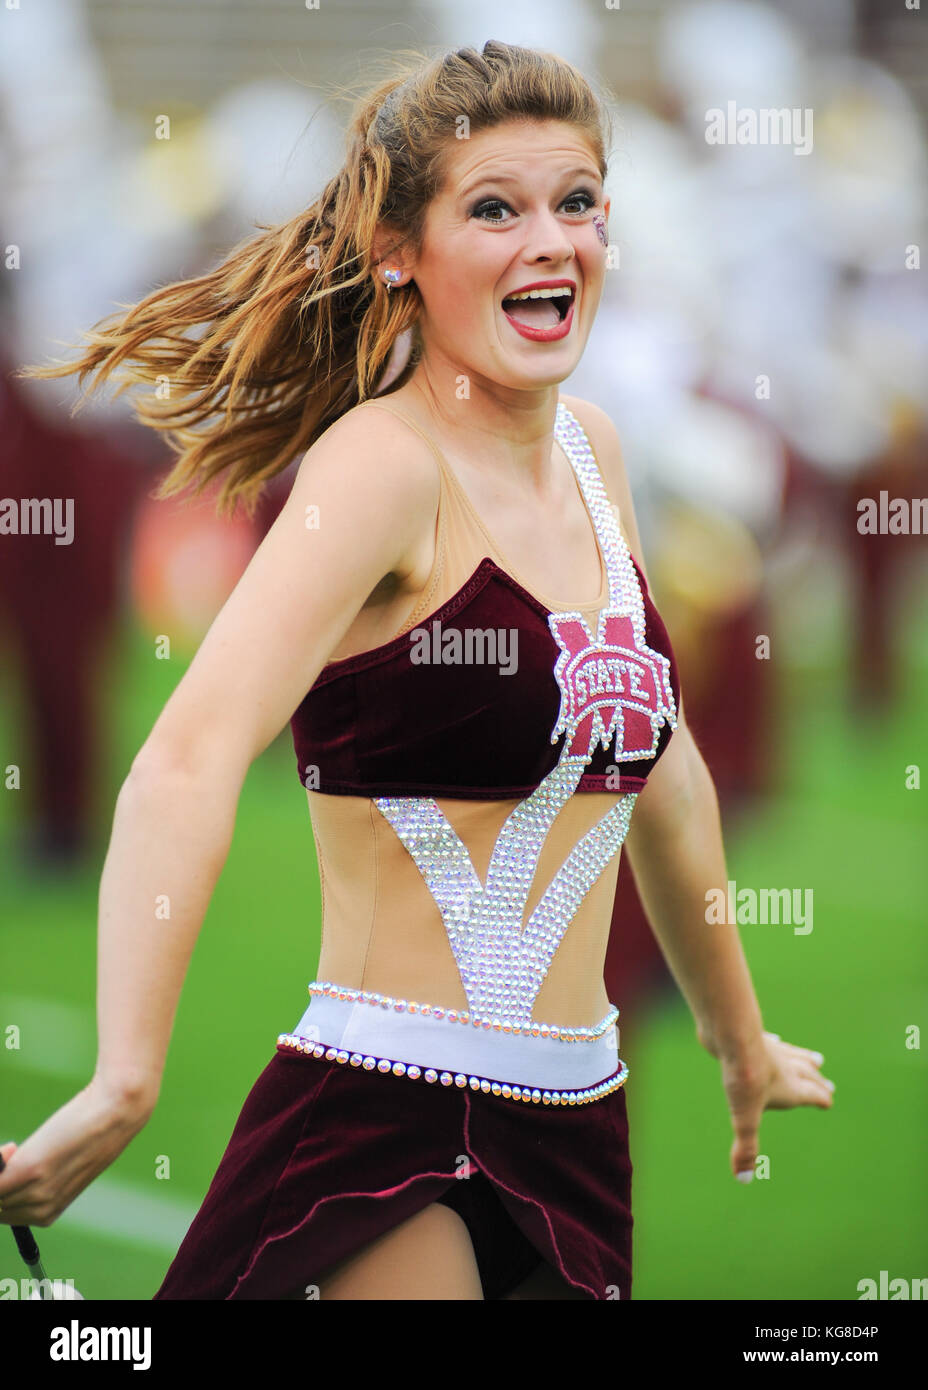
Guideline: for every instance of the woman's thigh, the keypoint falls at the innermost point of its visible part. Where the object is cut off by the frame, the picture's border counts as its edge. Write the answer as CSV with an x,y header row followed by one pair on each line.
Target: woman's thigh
x,y
428,1256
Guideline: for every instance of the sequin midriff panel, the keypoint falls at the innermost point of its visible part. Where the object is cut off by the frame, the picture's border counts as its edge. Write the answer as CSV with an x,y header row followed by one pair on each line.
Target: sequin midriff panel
x,y
383,931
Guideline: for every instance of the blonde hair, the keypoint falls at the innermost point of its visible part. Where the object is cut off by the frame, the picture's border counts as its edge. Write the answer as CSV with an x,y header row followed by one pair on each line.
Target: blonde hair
x,y
296,330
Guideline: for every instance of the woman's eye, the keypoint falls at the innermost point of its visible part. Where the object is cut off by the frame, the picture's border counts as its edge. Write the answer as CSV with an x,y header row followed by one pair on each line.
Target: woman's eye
x,y
493,204
482,208
586,197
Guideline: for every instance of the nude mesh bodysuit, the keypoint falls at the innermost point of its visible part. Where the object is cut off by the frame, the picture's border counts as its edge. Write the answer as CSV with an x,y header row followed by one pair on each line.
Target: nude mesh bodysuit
x,y
468,822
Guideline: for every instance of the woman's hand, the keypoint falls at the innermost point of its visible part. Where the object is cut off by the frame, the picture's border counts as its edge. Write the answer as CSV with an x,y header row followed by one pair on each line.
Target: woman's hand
x,y
780,1077
48,1170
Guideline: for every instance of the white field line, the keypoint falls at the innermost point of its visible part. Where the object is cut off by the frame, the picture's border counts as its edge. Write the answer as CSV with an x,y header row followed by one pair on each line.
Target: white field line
x,y
123,1211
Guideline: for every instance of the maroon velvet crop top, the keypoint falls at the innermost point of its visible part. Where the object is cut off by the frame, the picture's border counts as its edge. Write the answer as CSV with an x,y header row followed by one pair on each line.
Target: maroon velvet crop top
x,y
383,724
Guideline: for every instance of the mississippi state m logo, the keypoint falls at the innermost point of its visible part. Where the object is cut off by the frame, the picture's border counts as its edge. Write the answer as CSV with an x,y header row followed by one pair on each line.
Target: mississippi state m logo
x,y
611,685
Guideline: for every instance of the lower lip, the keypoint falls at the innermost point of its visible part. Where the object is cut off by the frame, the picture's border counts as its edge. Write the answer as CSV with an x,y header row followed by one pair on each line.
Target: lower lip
x,y
544,335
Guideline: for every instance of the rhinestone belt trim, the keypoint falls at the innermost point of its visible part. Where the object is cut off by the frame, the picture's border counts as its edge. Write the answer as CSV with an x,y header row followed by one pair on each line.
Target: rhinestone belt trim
x,y
290,1043
498,1025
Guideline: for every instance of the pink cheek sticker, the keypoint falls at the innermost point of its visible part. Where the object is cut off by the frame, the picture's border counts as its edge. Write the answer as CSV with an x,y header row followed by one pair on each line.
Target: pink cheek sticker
x,y
599,222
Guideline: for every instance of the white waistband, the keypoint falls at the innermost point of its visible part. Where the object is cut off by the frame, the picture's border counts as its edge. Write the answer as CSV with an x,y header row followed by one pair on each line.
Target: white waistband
x,y
426,1041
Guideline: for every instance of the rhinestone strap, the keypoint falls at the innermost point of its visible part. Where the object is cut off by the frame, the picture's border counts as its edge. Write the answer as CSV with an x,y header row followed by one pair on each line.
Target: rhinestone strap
x,y
498,1025
291,1043
624,589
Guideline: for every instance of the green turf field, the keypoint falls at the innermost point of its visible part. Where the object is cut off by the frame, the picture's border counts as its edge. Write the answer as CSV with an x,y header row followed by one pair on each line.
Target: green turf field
x,y
846,1197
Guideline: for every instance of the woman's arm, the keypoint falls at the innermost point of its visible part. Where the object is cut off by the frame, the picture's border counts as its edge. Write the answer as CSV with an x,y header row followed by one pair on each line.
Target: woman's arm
x,y
674,842
175,812
674,846
676,853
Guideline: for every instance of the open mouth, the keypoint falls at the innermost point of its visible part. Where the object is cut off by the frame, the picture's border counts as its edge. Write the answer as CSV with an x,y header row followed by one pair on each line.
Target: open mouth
x,y
540,309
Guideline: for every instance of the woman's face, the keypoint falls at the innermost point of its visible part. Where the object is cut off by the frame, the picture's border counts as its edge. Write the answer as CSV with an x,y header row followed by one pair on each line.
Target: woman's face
x,y
517,208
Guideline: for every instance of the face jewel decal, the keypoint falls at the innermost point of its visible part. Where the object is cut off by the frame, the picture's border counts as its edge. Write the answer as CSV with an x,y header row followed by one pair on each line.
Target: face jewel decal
x,y
614,685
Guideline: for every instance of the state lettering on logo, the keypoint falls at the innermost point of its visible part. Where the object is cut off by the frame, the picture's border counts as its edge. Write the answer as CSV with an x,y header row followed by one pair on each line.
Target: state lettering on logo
x,y
612,686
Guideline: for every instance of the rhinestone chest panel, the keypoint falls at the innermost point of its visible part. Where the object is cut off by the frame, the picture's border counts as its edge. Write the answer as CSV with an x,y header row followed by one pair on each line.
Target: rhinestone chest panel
x,y
613,688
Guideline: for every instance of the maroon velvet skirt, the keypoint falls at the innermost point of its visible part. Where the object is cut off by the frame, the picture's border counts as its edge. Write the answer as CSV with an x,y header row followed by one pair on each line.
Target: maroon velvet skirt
x,y
324,1158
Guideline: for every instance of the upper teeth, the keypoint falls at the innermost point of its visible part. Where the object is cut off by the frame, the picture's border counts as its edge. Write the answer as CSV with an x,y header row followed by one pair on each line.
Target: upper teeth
x,y
541,294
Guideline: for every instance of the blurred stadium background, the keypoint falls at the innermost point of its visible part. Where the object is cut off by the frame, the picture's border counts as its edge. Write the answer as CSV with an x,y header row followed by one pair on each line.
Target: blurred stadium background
x,y
762,347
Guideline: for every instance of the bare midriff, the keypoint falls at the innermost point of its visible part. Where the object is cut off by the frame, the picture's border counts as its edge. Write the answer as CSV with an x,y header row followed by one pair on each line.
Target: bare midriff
x,y
383,931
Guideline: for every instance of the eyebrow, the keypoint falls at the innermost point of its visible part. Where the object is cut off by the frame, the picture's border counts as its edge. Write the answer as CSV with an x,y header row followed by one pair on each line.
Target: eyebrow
x,y
583,170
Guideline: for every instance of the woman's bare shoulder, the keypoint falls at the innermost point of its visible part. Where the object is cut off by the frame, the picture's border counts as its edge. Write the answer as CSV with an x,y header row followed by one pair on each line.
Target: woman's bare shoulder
x,y
370,450
370,436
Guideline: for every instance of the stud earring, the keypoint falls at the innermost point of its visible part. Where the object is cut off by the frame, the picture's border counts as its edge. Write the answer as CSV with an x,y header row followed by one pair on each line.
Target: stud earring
x,y
392,278
599,222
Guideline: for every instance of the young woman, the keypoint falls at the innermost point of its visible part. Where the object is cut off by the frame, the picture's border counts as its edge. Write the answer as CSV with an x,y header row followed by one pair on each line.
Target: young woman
x,y
453,612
